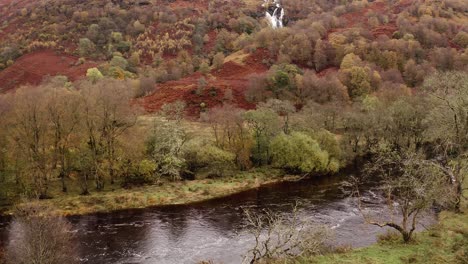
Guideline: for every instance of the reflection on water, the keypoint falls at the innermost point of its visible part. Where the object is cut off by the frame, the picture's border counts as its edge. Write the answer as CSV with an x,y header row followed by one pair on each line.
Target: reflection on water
x,y
213,230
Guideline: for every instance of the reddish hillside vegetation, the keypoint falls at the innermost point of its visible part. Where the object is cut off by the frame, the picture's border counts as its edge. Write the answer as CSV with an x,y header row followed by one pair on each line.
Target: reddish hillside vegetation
x,y
33,67
231,76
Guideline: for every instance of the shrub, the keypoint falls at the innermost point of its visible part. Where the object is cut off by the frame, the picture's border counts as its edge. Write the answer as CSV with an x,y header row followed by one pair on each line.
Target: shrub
x,y
218,60
298,152
38,237
118,61
389,237
359,82
461,39
139,27
143,173
86,47
208,159
94,74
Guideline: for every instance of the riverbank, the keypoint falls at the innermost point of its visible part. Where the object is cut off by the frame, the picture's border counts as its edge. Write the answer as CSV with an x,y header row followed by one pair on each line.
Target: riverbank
x,y
115,198
445,242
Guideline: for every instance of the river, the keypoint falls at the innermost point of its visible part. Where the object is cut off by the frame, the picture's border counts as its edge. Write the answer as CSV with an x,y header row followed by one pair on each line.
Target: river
x,y
215,230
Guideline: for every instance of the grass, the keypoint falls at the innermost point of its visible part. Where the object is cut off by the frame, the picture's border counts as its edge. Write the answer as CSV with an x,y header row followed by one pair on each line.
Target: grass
x,y
114,197
446,242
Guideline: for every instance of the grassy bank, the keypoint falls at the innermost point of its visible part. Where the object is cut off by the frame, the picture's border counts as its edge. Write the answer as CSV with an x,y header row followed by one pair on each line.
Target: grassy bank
x,y
115,197
446,242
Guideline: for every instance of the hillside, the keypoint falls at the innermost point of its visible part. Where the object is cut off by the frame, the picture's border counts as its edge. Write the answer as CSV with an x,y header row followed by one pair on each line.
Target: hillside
x,y
386,34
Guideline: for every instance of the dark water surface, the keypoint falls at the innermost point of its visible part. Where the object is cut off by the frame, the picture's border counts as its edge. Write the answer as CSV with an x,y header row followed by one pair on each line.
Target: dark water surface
x,y
214,230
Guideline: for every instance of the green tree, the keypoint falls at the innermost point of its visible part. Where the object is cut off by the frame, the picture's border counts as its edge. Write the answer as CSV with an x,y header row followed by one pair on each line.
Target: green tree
x,y
359,82
119,61
207,160
86,47
164,147
281,79
283,109
94,74
264,124
298,152
349,61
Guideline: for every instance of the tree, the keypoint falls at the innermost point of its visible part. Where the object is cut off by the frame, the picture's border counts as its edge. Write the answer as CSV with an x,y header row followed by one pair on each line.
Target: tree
x,y
349,61
86,47
298,47
63,108
411,187
461,39
227,124
298,152
264,124
94,74
164,147
218,60
36,236
257,88
31,129
95,35
321,89
5,108
107,114
413,74
449,125
281,237
281,79
359,82
282,108
207,159
174,111
119,61
320,56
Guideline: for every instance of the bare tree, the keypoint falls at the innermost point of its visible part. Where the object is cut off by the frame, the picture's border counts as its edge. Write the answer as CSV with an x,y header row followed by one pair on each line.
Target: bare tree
x,y
108,113
37,237
5,108
63,107
279,236
230,133
449,127
30,127
410,186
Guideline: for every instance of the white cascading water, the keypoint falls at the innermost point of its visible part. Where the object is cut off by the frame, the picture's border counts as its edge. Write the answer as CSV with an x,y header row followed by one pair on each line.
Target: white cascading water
x,y
276,16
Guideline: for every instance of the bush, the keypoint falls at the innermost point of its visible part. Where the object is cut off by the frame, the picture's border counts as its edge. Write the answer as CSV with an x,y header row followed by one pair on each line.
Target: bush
x,y
118,61
86,47
389,237
208,160
144,173
218,60
94,74
298,152
38,237
461,39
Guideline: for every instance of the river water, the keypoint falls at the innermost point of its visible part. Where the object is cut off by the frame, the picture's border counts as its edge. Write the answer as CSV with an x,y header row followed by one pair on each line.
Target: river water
x,y
215,230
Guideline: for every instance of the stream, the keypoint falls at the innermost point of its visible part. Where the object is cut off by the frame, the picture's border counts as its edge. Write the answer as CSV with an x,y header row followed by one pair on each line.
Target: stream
x,y
215,230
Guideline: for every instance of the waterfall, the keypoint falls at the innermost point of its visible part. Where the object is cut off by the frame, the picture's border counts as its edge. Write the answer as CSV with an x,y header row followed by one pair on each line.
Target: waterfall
x,y
274,13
